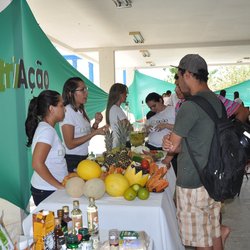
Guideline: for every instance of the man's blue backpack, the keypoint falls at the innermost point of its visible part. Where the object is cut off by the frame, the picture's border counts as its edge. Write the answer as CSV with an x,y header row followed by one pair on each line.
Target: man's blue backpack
x,y
223,175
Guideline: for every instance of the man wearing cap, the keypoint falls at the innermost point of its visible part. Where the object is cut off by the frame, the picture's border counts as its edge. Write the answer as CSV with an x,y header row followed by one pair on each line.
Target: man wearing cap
x,y
198,214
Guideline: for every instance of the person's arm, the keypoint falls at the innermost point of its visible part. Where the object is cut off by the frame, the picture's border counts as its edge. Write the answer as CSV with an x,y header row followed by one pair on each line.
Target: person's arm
x,y
172,143
241,113
98,119
71,142
162,126
39,156
168,159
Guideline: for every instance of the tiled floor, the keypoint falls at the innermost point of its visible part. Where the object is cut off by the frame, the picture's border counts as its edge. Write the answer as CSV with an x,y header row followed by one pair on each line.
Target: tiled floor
x,y
236,215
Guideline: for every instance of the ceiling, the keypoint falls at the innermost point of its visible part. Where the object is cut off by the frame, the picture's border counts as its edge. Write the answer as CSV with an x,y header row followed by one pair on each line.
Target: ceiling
x,y
216,29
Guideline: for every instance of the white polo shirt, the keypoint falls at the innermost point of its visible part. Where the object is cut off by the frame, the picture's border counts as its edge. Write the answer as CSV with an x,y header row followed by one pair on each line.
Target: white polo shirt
x,y
55,160
81,127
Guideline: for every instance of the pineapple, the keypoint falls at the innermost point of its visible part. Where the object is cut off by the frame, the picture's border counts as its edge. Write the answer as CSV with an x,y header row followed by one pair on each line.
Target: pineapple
x,y
109,156
123,159
123,129
108,139
109,159
117,156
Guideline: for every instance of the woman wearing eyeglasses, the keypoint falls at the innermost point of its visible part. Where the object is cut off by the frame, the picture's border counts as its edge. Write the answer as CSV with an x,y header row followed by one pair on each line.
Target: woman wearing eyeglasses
x,y
76,129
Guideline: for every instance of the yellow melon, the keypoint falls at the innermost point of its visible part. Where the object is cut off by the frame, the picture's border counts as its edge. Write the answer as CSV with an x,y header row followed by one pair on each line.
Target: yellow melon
x,y
116,184
88,169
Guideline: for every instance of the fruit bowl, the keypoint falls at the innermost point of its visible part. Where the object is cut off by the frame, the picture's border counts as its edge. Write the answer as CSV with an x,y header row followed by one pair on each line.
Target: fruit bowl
x,y
137,138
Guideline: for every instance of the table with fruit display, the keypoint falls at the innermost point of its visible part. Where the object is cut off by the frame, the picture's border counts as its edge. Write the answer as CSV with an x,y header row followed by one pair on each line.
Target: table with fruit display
x,y
131,188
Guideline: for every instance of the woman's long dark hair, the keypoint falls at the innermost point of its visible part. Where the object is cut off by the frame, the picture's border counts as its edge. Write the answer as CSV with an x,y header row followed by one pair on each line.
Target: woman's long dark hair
x,y
114,95
69,89
38,109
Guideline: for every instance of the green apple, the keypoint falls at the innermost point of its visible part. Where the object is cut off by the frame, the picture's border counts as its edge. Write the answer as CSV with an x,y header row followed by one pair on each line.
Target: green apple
x,y
136,187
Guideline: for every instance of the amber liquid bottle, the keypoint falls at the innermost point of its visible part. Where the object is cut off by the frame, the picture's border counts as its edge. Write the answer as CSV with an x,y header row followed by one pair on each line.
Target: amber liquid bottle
x,y
60,217
67,227
59,235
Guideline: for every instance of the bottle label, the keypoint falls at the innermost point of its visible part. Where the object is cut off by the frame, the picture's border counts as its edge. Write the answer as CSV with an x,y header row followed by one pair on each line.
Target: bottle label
x,y
95,241
77,222
69,226
60,242
86,245
93,222
113,237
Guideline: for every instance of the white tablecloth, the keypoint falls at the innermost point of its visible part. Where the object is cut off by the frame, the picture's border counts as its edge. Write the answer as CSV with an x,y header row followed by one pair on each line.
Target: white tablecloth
x,y
156,216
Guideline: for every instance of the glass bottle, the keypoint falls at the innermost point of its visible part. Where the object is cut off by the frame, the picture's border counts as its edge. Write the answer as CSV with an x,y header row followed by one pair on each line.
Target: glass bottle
x,y
76,215
114,238
92,215
60,216
91,156
86,242
68,227
59,235
72,241
93,223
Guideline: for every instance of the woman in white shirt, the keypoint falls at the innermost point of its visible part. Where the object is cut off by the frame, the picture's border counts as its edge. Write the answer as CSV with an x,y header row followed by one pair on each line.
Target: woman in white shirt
x,y
117,95
159,124
47,150
76,129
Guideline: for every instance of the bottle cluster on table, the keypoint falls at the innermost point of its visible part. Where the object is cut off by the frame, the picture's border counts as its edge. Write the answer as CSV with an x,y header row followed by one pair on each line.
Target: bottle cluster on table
x,y
69,232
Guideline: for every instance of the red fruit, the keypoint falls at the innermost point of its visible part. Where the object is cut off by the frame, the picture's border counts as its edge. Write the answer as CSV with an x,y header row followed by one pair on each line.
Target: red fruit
x,y
145,164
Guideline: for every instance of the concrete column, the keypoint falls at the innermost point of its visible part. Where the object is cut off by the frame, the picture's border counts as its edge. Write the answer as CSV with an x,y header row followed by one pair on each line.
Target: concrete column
x,y
106,68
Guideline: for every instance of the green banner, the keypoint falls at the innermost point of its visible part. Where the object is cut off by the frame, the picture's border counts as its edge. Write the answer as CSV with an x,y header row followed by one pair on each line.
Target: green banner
x,y
29,63
141,86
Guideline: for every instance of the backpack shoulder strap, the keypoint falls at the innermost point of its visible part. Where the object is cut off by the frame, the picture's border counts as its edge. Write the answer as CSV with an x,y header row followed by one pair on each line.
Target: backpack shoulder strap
x,y
207,107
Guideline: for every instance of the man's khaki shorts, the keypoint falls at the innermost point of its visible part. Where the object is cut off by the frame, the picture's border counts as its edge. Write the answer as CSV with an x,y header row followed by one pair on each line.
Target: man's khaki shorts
x,y
198,217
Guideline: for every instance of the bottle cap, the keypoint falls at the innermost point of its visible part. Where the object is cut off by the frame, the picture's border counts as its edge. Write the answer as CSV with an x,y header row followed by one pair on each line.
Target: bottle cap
x,y
76,203
65,209
60,213
91,199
